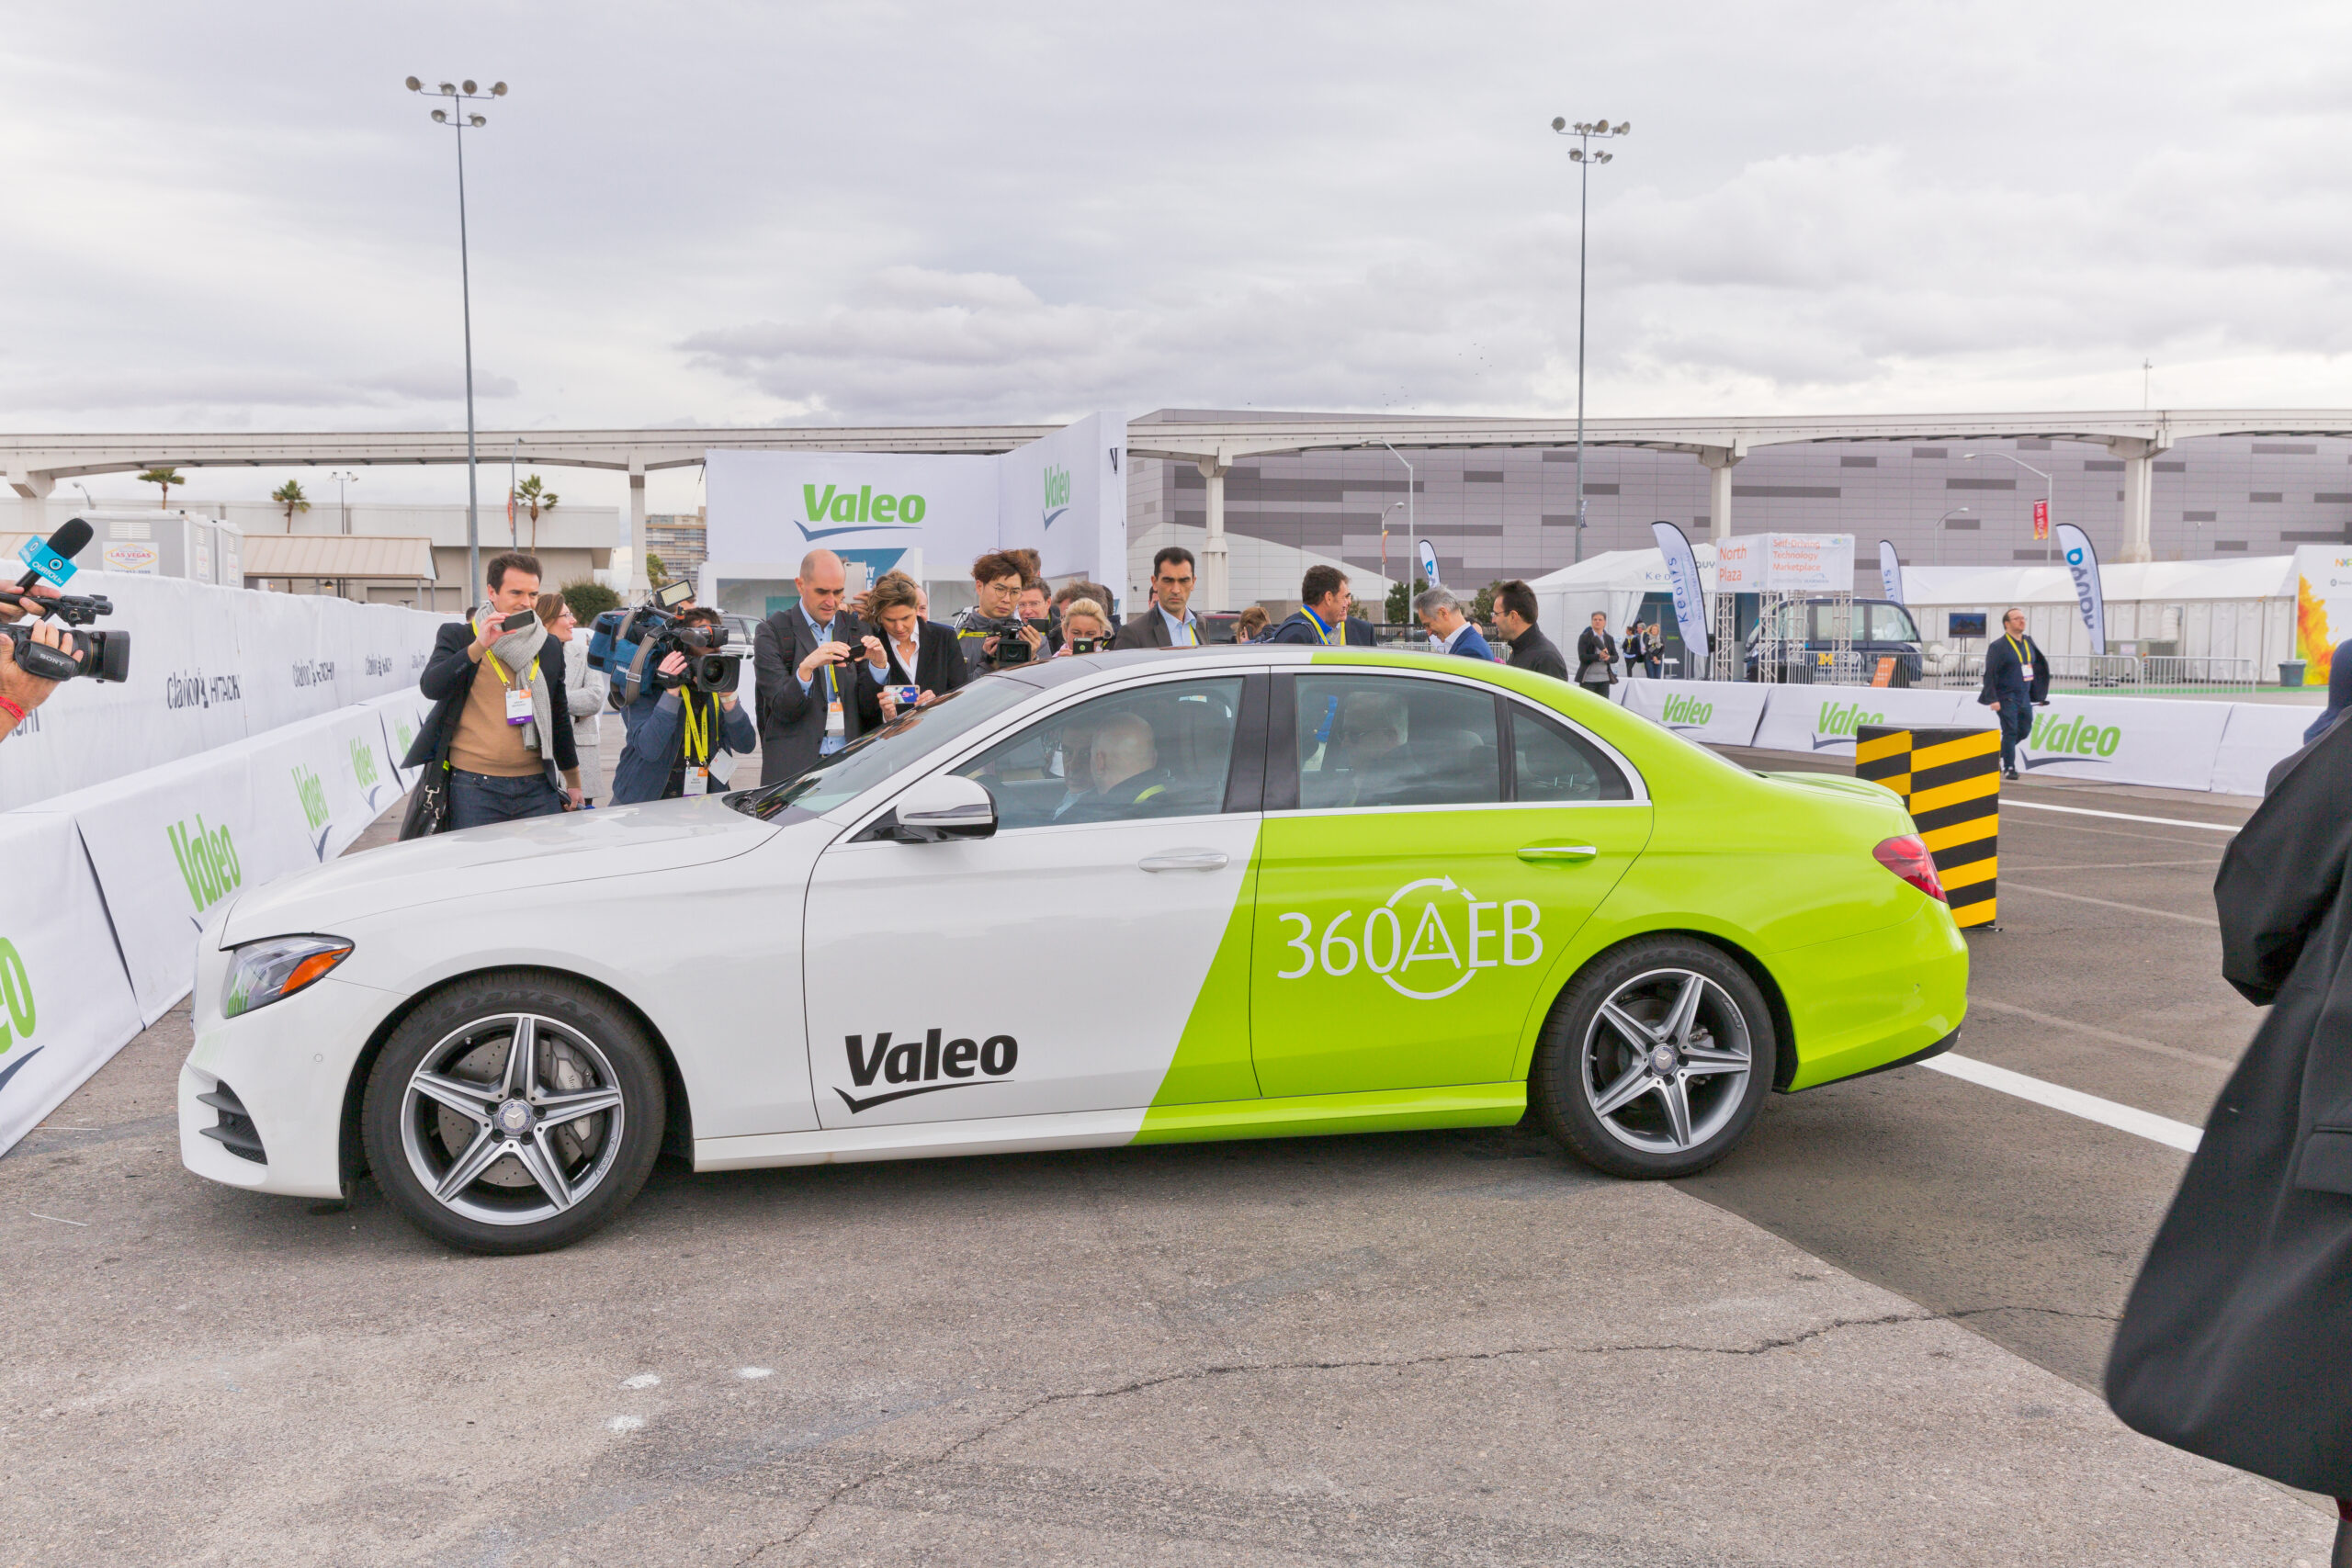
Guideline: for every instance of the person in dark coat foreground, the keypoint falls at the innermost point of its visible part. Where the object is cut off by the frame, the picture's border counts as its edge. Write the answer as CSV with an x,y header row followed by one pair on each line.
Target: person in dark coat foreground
x,y
2233,1340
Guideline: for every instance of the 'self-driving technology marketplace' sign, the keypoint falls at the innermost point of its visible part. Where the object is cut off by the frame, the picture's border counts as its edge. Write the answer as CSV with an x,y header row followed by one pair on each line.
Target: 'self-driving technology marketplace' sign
x,y
1775,563
1064,496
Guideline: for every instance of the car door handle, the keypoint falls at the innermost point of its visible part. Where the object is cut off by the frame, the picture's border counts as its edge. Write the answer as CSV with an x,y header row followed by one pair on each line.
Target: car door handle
x,y
1572,854
1185,860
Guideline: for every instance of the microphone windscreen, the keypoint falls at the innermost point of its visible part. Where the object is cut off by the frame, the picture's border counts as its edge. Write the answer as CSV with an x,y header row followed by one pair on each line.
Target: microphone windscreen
x,y
69,539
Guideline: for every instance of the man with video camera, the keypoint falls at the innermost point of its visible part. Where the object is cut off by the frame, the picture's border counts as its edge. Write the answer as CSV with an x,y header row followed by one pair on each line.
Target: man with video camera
x,y
505,741
992,633
682,740
21,691
812,702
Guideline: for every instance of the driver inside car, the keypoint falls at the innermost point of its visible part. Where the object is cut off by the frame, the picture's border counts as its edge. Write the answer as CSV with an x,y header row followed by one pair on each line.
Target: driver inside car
x,y
1125,759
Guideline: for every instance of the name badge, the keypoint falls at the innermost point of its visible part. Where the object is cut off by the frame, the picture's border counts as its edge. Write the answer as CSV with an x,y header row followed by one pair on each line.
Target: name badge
x,y
834,723
697,781
518,706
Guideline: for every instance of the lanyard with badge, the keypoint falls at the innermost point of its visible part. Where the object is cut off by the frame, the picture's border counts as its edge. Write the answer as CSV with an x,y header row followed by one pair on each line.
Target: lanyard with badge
x,y
704,761
518,698
2025,663
1322,632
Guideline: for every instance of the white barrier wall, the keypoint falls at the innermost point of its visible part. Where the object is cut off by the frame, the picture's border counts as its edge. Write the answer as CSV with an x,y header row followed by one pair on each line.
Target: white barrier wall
x,y
208,666
122,876
2228,747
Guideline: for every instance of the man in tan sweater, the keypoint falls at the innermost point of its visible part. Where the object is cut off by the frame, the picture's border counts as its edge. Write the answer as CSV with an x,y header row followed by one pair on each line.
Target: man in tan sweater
x,y
501,724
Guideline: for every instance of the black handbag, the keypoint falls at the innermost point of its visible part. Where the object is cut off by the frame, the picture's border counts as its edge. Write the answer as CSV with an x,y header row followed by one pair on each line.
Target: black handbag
x,y
429,805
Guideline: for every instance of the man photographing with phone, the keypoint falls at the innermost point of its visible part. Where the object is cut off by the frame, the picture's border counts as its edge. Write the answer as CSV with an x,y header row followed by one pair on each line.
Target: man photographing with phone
x,y
683,742
500,725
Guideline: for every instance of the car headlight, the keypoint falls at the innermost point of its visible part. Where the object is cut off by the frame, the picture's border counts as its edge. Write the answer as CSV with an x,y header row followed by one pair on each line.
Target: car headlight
x,y
261,973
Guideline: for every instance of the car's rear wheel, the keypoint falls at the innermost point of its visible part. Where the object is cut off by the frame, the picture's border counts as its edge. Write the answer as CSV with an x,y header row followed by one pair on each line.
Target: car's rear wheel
x,y
1655,1059
513,1113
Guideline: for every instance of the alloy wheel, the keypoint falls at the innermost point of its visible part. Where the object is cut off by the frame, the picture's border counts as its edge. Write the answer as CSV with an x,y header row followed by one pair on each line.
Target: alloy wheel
x,y
512,1118
1664,1063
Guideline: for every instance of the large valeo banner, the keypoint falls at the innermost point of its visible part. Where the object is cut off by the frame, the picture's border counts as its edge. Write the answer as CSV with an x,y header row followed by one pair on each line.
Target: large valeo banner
x,y
1720,712
65,1004
2142,741
1823,720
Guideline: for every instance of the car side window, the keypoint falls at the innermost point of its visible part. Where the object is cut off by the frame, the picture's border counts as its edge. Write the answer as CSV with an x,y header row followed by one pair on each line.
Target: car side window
x,y
1553,764
1889,623
1162,750
1394,741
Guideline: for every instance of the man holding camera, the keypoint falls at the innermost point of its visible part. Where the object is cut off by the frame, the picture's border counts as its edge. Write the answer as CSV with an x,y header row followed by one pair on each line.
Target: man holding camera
x,y
997,581
811,701
683,742
506,740
1168,622
21,691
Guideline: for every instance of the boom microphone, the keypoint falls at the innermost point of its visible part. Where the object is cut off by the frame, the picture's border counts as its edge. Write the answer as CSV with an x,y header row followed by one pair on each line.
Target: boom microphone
x,y
66,543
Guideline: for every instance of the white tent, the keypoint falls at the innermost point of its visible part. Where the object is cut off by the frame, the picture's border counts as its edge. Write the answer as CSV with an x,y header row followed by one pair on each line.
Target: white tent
x,y
2242,609
1612,583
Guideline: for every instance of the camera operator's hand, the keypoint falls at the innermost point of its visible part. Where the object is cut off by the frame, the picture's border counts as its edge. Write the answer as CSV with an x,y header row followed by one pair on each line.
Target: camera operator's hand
x,y
489,627
672,664
1033,637
18,602
824,653
871,651
987,648
27,692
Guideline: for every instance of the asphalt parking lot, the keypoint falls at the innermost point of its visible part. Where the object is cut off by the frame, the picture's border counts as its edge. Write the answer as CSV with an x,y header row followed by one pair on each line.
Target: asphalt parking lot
x,y
1872,1335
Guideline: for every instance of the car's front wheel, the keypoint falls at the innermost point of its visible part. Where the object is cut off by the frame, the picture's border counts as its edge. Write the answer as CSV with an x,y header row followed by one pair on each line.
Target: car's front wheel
x,y
513,1113
1655,1059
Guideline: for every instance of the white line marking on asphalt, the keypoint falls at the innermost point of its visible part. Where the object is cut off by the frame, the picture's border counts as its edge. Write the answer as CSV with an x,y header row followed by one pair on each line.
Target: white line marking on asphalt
x,y
748,1373
2048,1021
2121,816
2074,1102
2008,886
642,1379
52,1219
624,1424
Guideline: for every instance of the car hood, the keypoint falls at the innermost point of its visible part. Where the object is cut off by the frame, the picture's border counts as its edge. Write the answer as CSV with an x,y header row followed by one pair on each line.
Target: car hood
x,y
540,852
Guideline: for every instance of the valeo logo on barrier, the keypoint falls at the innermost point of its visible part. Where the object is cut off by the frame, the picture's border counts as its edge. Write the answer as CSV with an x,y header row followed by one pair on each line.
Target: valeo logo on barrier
x,y
859,509
2062,738
1057,494
207,860
363,764
1687,713
1839,721
313,796
405,733
1409,941
17,989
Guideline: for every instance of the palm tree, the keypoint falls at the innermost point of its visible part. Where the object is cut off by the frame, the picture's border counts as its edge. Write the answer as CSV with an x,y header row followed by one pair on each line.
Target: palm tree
x,y
165,477
535,498
290,496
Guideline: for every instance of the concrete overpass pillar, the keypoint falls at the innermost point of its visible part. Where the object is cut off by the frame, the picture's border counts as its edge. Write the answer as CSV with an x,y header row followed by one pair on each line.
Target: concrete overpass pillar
x,y
1215,589
2138,487
1720,461
31,486
638,582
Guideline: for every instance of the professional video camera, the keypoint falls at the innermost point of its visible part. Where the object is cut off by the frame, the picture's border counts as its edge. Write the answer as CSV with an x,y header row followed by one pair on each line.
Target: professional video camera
x,y
1010,649
629,646
98,656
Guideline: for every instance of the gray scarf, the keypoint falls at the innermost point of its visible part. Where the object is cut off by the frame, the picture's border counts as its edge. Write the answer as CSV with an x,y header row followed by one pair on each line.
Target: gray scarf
x,y
516,651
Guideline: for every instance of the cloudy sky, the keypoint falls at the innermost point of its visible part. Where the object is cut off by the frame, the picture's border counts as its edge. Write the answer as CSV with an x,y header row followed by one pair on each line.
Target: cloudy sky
x,y
232,216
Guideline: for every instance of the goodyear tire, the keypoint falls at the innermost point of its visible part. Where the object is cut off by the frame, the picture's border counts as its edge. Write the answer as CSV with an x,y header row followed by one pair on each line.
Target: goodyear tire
x,y
513,1113
1655,1059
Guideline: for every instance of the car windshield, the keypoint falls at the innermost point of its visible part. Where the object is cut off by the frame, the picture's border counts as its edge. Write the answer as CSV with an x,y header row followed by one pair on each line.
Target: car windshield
x,y
874,757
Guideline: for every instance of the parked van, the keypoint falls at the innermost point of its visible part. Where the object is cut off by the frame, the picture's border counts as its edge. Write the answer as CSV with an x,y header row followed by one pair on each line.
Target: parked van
x,y
1882,628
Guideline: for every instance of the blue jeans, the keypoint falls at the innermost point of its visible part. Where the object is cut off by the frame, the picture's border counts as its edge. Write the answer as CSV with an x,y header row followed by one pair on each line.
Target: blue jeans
x,y
476,799
2016,726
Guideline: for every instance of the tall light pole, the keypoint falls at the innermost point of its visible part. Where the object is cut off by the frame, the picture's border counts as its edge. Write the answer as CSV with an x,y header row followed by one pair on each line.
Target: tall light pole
x,y
1955,512
1383,545
342,478
1586,133
459,119
1411,526
2049,490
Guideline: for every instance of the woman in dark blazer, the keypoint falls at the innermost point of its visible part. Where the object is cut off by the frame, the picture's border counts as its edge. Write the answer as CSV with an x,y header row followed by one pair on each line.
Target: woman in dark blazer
x,y
894,611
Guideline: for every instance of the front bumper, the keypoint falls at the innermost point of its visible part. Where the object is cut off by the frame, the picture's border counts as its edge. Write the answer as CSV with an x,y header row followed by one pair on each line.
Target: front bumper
x,y
287,1067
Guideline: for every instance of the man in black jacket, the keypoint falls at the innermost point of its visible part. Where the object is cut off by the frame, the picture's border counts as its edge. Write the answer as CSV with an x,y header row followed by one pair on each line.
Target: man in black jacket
x,y
812,700
1530,648
2016,678
507,741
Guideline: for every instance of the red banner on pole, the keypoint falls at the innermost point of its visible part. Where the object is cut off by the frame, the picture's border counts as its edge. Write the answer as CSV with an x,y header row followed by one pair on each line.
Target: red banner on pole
x,y
2041,520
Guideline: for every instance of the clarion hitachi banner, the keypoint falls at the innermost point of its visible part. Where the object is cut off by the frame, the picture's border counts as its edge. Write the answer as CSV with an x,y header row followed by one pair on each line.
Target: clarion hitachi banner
x,y
1064,496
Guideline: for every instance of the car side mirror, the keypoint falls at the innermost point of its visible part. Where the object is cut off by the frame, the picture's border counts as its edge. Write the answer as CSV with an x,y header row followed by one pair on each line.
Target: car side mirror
x,y
945,806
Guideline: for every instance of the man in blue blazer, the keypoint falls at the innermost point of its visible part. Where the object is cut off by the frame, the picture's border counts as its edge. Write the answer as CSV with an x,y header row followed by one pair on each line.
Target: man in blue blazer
x,y
1449,630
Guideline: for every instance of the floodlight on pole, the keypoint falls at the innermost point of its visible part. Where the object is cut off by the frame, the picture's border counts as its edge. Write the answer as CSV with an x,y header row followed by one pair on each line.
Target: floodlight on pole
x,y
2048,489
1584,155
1955,512
460,122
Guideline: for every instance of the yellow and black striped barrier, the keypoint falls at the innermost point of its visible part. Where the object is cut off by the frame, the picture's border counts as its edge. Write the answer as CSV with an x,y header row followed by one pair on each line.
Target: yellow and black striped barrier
x,y
1951,781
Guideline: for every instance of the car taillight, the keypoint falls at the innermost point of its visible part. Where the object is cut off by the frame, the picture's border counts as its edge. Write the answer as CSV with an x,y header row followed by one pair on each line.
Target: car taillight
x,y
1907,857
